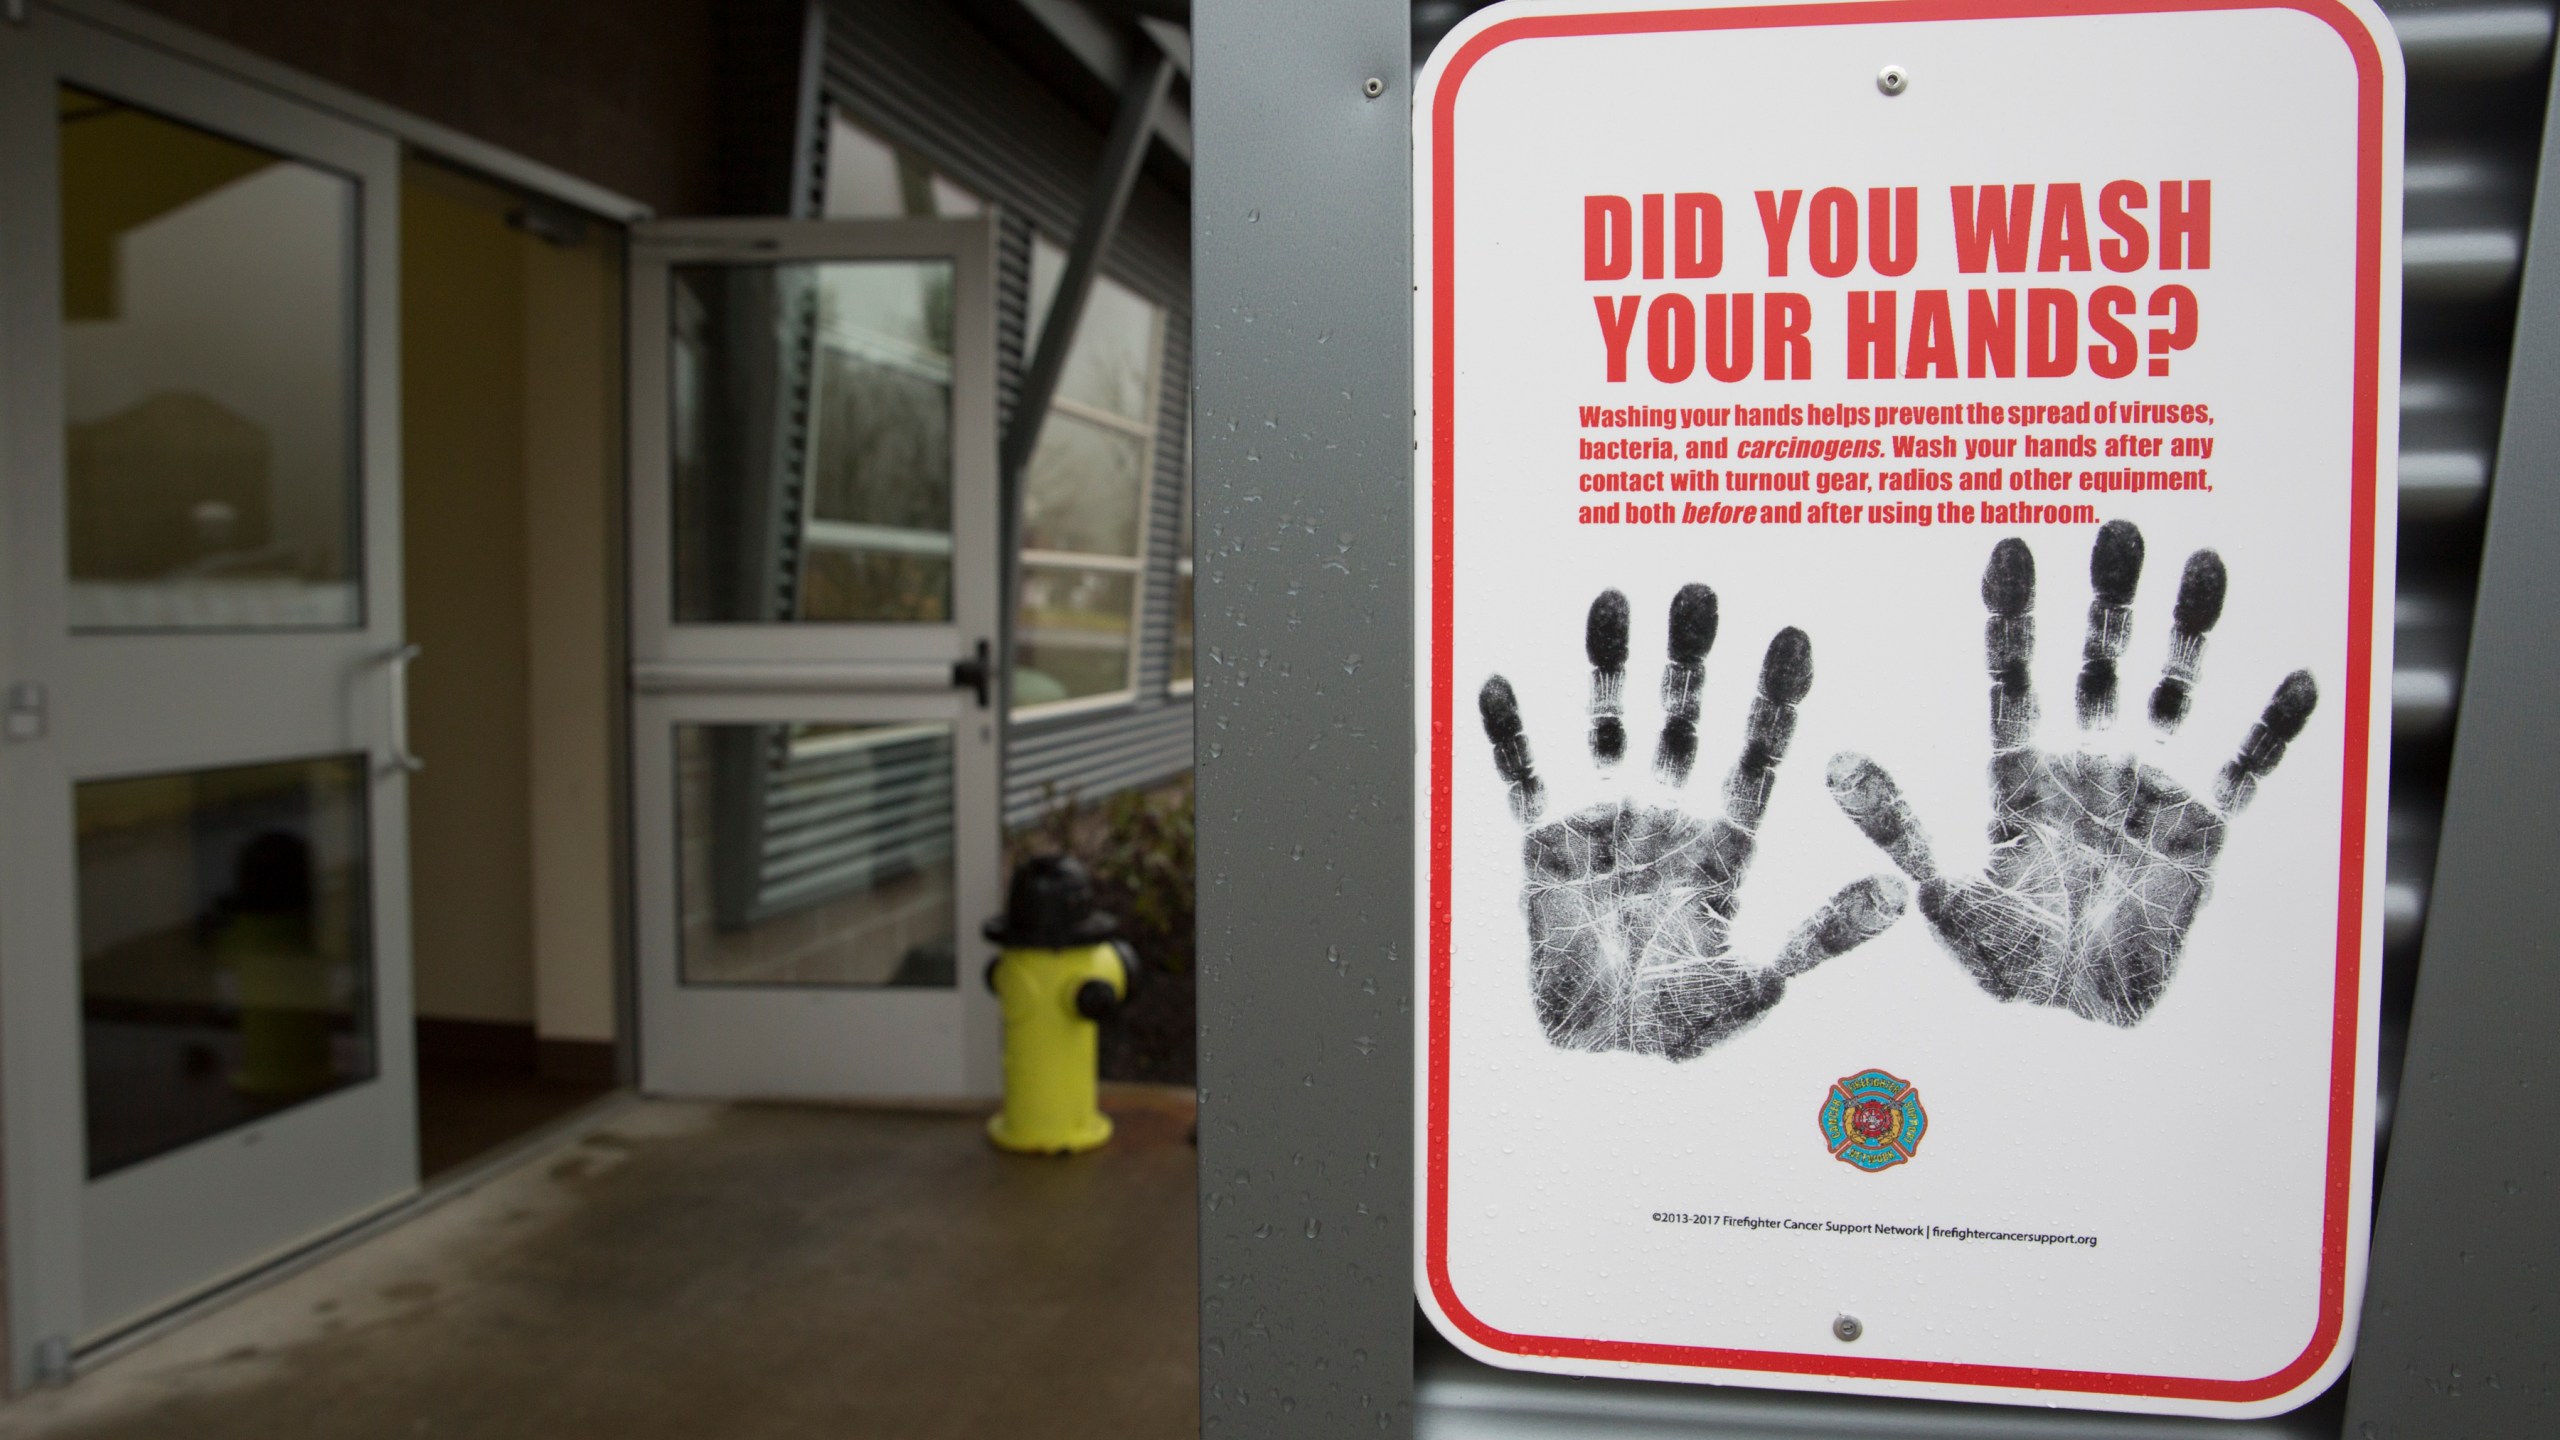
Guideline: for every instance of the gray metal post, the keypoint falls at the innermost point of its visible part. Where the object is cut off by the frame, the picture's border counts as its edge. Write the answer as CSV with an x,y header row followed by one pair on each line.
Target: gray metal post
x,y
1304,465
2461,1321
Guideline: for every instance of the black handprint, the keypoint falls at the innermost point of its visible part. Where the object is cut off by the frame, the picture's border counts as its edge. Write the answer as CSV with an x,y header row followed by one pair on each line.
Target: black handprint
x,y
2098,863
1630,905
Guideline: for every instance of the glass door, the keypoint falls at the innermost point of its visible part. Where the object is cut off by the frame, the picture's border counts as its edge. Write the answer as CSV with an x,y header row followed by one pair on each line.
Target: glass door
x,y
204,1018
814,748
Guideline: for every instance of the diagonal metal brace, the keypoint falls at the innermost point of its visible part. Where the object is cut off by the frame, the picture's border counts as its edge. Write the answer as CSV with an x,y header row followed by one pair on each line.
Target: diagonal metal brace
x,y
1150,76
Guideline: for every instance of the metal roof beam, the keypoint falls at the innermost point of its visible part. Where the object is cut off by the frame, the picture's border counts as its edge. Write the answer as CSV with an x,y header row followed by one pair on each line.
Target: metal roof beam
x,y
1109,49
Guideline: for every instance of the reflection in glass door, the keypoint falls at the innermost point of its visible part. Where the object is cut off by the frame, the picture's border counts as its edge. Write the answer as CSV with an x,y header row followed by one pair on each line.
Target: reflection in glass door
x,y
225,954
847,516
816,854
208,365
814,556
203,921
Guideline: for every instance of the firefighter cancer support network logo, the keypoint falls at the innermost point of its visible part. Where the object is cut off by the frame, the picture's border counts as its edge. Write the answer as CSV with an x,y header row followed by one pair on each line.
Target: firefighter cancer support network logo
x,y
1873,1120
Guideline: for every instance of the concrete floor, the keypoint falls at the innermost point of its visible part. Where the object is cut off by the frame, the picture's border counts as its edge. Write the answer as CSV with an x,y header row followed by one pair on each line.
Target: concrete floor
x,y
736,1271
464,1118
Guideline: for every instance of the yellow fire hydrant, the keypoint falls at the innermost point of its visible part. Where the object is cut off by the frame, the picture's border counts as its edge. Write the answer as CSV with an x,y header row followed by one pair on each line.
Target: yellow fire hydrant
x,y
1060,976
286,986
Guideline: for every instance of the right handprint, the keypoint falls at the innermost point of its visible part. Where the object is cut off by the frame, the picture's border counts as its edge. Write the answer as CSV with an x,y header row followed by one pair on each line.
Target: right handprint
x,y
2098,862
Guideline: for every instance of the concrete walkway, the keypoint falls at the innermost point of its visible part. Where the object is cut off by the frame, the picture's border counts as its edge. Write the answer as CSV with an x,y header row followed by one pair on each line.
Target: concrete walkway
x,y
734,1271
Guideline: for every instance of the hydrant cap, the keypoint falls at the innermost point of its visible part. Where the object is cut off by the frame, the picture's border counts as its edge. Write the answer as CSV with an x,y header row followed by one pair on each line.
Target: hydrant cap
x,y
1050,907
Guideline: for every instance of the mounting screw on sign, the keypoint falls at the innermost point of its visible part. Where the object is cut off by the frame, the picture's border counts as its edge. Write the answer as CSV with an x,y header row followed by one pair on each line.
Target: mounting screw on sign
x,y
1893,79
1373,87
1848,1328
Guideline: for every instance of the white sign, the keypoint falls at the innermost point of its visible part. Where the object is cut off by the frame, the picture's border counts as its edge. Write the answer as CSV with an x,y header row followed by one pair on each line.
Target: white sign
x,y
1957,976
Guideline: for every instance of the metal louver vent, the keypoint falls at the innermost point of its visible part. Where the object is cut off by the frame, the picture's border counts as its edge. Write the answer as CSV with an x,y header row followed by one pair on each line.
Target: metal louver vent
x,y
2475,123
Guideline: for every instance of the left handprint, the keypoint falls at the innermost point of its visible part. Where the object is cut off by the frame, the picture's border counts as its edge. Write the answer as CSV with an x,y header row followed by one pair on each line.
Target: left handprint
x,y
1631,904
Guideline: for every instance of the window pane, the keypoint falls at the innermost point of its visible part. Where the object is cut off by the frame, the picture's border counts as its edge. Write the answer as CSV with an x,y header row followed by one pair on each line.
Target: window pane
x,y
844,515
879,544
1083,489
1112,364
815,855
1180,660
226,970
882,445
870,179
951,200
1179,671
896,311
209,375
1074,636
852,582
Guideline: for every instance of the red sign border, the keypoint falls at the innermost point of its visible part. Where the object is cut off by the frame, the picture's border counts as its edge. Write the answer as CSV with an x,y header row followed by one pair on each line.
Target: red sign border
x,y
2360,594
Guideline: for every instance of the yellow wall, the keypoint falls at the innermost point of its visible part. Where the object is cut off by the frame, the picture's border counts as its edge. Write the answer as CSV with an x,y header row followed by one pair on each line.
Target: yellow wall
x,y
510,353
573,373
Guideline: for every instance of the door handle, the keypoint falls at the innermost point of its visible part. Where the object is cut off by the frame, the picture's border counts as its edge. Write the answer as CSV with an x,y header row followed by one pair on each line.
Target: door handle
x,y
977,672
397,688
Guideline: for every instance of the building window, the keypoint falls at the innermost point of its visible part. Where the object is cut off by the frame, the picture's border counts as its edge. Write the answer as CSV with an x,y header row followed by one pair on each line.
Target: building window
x,y
1085,493
1178,670
870,179
1084,499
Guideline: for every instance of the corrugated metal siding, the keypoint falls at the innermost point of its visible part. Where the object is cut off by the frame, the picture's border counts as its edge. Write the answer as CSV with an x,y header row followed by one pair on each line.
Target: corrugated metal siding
x,y
2476,93
852,816
922,76
1142,749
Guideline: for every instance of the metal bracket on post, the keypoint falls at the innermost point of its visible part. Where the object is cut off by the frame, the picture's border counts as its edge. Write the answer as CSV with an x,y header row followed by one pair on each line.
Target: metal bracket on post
x,y
1149,78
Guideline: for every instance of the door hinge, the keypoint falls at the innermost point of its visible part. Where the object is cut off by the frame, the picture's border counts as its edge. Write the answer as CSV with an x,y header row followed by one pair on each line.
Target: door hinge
x,y
975,673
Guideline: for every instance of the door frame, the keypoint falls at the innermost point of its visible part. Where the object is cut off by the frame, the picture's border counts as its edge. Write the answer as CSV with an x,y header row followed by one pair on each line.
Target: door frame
x,y
809,1040
358,1142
